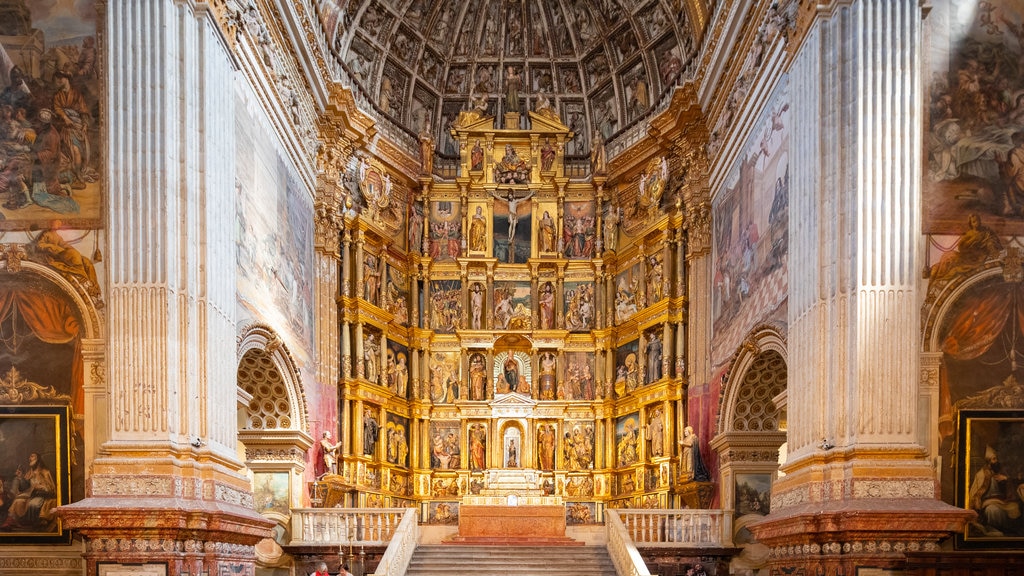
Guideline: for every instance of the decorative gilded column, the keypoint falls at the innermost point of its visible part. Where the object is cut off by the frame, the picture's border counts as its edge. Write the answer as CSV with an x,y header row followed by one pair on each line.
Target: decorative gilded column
x,y
854,300
167,484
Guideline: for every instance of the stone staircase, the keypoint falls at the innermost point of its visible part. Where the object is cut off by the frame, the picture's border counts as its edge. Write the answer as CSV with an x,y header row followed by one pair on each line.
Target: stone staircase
x,y
475,560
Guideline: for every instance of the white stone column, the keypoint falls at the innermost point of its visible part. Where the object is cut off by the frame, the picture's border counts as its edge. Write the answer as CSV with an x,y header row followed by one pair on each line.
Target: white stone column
x,y
854,262
171,264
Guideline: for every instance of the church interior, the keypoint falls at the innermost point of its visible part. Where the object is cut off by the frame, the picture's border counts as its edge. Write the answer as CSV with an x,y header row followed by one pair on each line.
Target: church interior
x,y
710,286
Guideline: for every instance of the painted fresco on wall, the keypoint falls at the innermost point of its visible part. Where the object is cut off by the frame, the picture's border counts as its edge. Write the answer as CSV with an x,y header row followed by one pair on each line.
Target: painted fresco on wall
x,y
627,439
446,310
579,306
512,227
512,310
445,440
974,136
444,377
275,224
50,88
396,295
627,368
579,234
751,219
578,445
629,294
445,234
396,368
982,346
396,437
579,382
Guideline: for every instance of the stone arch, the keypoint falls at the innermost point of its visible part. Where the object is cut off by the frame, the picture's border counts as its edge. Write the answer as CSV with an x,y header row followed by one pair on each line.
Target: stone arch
x,y
268,375
759,367
87,307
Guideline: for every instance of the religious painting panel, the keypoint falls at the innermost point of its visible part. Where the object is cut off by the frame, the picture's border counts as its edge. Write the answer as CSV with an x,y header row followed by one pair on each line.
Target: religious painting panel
x,y
627,439
579,306
445,385
396,437
753,494
35,468
575,117
629,294
669,57
477,434
561,39
466,37
445,234
512,372
751,222
604,111
627,368
443,513
396,295
49,108
579,382
990,469
579,232
377,20
445,453
580,513
396,368
274,217
515,35
490,34
512,223
270,491
974,134
578,445
579,487
457,81
512,308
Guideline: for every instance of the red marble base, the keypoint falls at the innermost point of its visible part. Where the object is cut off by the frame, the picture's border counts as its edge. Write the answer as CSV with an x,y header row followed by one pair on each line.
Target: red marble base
x,y
835,537
512,525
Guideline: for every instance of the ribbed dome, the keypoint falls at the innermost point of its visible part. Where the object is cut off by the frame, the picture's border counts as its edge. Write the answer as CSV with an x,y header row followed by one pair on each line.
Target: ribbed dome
x,y
602,63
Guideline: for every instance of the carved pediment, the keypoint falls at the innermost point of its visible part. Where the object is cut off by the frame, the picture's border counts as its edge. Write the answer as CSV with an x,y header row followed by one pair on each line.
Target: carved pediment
x,y
513,399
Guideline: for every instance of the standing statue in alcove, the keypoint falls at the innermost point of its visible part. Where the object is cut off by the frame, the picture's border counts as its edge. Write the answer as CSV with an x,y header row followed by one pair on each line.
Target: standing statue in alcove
x,y
691,465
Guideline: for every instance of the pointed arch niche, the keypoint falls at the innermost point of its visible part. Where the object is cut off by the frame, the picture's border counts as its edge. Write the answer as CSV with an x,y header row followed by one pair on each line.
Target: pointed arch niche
x,y
272,423
752,426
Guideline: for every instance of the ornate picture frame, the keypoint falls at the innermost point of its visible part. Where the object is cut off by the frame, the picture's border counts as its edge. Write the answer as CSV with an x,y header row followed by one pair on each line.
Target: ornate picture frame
x,y
990,478
35,472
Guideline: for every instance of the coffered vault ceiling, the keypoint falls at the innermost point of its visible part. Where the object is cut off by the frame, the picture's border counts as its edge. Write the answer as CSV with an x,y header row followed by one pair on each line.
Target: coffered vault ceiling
x,y
603,63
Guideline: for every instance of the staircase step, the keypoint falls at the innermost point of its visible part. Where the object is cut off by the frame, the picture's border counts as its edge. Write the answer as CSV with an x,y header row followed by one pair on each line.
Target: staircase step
x,y
504,560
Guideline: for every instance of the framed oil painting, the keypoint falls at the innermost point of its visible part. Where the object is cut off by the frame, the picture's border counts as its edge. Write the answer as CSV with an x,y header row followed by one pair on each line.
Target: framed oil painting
x,y
35,473
990,478
270,491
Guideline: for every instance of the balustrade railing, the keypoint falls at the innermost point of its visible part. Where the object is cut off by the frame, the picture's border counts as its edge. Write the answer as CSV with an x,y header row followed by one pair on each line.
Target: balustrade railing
x,y
621,548
347,526
675,528
396,558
